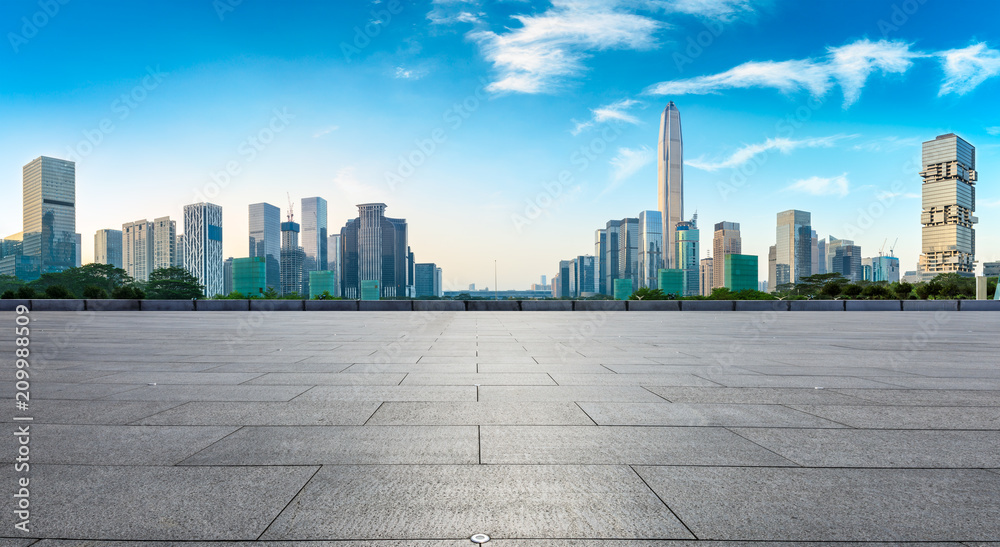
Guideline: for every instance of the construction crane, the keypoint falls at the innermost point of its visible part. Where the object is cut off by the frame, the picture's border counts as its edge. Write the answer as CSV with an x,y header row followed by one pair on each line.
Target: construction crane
x,y
882,248
893,248
291,208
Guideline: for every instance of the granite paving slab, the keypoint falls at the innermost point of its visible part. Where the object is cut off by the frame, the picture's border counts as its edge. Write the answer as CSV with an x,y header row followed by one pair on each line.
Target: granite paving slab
x,y
207,393
297,412
327,378
390,393
75,411
755,395
926,397
813,381
183,378
567,393
701,414
908,417
481,413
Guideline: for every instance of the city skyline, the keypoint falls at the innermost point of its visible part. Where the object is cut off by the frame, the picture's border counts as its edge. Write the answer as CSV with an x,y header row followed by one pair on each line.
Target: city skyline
x,y
832,124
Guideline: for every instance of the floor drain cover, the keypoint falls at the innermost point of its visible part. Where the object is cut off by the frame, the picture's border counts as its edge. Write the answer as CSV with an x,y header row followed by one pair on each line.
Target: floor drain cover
x,y
480,538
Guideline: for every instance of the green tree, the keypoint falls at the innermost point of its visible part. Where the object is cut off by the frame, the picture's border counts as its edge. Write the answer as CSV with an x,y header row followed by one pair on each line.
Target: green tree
x,y
94,292
901,290
7,295
75,280
876,291
645,293
58,292
10,283
25,293
852,290
173,283
128,292
271,294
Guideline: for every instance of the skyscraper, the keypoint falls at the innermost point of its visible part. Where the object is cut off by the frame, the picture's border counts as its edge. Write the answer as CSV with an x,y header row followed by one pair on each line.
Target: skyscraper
x,y
650,247
670,179
628,251
706,276
844,257
373,248
203,245
291,258
793,248
313,238
265,240
49,214
584,277
726,241
138,251
108,247
179,251
164,243
600,260
333,260
609,260
425,279
772,268
949,199
687,255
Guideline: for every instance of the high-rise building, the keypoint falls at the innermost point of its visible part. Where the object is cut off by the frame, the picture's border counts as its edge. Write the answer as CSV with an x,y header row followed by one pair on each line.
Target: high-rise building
x,y
609,259
772,268
819,258
333,260
108,247
79,250
203,245
583,277
628,250
374,247
707,276
561,282
880,268
314,238
949,199
670,179
49,214
741,272
138,253
179,251
322,281
227,276
265,240
846,261
439,282
249,276
793,248
600,260
291,258
726,241
991,269
687,255
650,247
164,243
671,281
425,279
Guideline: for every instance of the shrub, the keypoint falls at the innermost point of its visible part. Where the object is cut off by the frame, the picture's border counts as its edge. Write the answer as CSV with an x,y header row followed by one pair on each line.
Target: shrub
x,y
58,292
852,291
7,295
876,292
645,293
25,293
128,292
94,292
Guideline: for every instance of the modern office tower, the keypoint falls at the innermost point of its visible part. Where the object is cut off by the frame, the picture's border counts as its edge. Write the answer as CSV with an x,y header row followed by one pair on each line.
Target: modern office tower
x,y
793,247
314,238
623,289
687,255
227,276
707,276
79,250
138,252
203,245
627,239
13,261
949,199
814,268
265,240
322,281
164,242
671,281
650,247
609,259
179,251
561,282
584,277
410,273
846,260
249,276
741,272
991,269
880,268
108,247
670,179
726,241
819,256
600,259
439,282
291,258
772,268
373,247
333,260
543,280
762,286
831,251
49,214
425,279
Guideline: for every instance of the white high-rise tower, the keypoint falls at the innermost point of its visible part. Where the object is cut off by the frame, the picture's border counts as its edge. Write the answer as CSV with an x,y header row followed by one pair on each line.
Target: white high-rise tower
x,y
670,179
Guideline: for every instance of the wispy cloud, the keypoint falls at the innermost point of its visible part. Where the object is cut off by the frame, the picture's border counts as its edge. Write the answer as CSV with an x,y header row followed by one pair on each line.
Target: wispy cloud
x,y
617,111
995,130
326,131
724,10
966,68
450,12
626,163
548,48
988,203
347,182
409,73
820,186
749,151
848,66
888,144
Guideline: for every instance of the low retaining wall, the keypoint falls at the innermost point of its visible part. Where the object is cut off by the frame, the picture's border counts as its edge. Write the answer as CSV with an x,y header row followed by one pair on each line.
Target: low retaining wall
x,y
500,305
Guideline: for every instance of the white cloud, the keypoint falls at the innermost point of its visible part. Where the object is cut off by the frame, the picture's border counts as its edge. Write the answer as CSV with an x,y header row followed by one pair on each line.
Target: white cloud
x,y
819,186
409,73
888,144
347,182
551,47
749,151
716,9
995,130
849,66
626,163
966,68
326,131
616,111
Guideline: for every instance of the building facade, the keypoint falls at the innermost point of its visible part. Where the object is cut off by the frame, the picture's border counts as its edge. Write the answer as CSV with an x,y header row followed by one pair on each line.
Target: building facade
x,y
650,247
687,255
706,275
725,241
333,260
991,269
265,240
948,203
741,272
425,279
203,245
250,276
600,261
313,237
138,249
49,214
164,243
880,268
670,179
108,247
291,258
374,247
793,247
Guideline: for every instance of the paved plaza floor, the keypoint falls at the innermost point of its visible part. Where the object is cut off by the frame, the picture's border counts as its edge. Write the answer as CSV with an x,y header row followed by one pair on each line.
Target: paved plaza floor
x,y
585,429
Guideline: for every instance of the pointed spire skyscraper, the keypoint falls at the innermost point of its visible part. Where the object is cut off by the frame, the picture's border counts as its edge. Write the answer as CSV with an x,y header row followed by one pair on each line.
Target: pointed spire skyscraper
x,y
670,180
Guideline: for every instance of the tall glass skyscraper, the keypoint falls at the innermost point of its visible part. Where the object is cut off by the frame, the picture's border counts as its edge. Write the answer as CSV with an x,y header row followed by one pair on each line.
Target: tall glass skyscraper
x,y
793,247
726,241
650,247
108,247
600,261
374,248
334,263
265,240
313,238
138,249
628,251
949,199
670,175
49,214
291,258
203,245
688,240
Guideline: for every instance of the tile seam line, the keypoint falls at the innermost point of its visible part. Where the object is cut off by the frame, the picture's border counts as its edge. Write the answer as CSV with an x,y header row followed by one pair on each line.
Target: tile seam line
x,y
290,500
206,447
751,441
655,493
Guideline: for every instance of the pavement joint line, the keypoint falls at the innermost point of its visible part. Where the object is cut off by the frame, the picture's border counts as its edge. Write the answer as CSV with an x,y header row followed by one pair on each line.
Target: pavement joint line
x,y
373,414
585,412
213,443
655,493
787,459
290,500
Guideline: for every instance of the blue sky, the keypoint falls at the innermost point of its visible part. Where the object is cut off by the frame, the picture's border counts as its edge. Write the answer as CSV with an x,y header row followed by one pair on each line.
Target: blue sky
x,y
504,131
